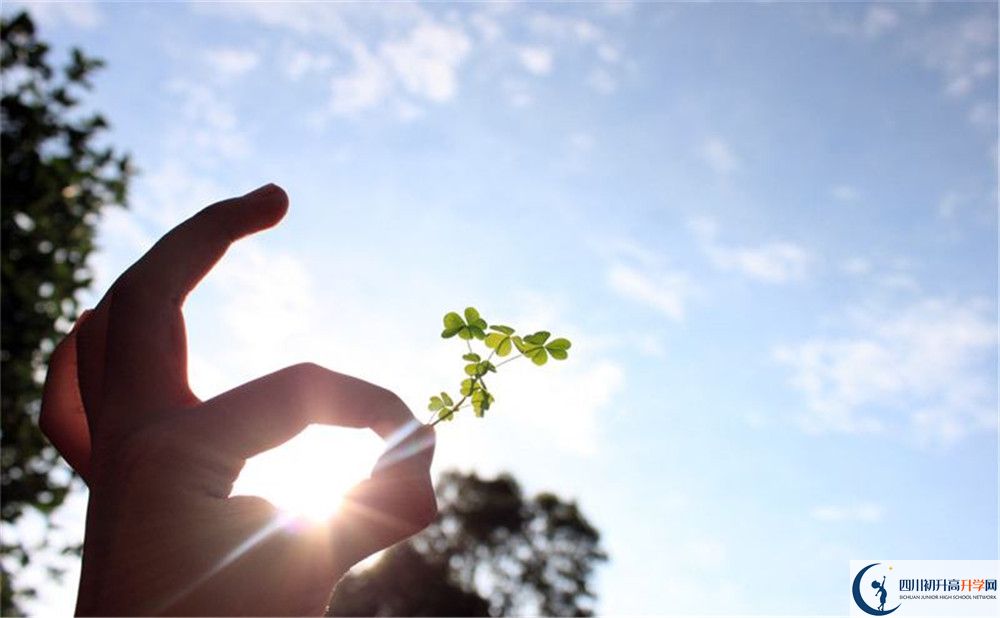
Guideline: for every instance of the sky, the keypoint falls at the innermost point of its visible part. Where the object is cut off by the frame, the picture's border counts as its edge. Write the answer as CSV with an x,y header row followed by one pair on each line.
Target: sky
x,y
769,229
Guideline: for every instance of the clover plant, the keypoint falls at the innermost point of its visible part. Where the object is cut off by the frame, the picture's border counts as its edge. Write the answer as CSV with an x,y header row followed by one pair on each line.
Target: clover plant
x,y
501,341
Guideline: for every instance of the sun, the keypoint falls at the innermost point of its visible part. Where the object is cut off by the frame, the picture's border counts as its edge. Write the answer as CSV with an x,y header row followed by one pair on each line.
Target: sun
x,y
309,475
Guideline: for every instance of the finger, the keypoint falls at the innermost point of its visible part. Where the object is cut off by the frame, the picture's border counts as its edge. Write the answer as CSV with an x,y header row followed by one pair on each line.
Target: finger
x,y
395,503
175,264
62,418
270,410
146,333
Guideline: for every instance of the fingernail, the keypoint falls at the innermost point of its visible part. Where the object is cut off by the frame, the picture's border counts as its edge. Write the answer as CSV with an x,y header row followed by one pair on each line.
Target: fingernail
x,y
264,191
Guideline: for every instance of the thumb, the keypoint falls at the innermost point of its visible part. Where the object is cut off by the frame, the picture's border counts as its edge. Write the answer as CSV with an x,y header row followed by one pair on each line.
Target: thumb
x,y
396,502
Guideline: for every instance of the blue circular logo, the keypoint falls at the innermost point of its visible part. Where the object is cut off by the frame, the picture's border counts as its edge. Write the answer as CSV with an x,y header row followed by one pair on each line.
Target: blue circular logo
x,y
880,593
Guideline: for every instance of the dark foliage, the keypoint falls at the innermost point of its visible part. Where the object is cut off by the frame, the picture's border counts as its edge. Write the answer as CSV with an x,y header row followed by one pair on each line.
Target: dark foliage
x,y
55,181
492,551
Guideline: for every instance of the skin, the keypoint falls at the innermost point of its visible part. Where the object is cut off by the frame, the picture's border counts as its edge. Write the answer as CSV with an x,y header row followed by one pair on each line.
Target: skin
x,y
162,535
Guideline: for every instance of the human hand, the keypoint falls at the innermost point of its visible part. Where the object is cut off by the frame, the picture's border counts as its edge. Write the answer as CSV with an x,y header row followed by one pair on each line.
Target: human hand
x,y
163,536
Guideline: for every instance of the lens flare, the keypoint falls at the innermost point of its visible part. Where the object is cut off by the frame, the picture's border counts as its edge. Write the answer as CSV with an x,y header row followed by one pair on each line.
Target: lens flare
x,y
309,475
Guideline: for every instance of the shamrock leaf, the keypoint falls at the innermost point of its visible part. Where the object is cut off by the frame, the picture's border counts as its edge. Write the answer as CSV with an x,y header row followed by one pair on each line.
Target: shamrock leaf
x,y
452,324
558,348
501,342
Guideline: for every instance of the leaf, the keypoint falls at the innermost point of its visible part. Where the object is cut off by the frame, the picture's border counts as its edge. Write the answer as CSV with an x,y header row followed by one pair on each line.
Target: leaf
x,y
518,343
453,321
478,332
466,388
493,340
465,333
538,356
538,338
504,348
472,357
435,404
557,348
472,369
450,332
500,328
446,414
558,344
471,315
447,399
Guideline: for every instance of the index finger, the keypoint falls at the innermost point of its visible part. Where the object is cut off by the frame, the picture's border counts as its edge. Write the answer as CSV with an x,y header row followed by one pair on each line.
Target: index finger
x,y
146,342
179,260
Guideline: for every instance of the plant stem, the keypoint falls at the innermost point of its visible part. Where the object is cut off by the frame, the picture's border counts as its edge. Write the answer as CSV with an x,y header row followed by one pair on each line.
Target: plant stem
x,y
499,365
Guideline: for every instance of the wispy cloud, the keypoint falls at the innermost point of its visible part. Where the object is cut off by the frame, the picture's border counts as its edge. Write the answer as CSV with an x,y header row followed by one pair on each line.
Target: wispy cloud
x,y
665,291
302,62
426,61
879,19
719,155
231,61
601,80
535,59
82,14
962,51
844,193
919,368
367,84
771,262
207,125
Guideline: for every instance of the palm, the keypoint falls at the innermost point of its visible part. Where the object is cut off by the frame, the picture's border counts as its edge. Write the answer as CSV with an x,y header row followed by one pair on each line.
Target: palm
x,y
162,534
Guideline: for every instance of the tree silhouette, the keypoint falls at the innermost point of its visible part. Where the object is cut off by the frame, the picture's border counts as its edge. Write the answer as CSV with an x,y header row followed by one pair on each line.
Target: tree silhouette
x,y
55,181
491,552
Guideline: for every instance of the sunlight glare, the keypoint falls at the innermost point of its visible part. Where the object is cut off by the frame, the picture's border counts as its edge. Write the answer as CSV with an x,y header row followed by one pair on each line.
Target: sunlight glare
x,y
309,475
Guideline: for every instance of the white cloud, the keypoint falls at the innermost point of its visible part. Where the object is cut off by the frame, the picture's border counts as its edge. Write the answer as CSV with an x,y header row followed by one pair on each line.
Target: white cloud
x,y
517,92
232,62
581,141
772,262
413,55
719,155
777,262
983,114
844,193
302,62
207,125
82,14
856,266
367,85
918,368
667,292
608,53
487,26
427,61
963,51
602,81
948,204
867,512
424,63
879,19
536,60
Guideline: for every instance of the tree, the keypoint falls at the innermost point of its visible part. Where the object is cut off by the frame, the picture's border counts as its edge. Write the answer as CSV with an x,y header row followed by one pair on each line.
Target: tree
x,y
491,552
55,182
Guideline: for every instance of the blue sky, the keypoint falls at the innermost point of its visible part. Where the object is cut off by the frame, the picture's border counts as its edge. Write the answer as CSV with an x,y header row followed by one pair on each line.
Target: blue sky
x,y
769,229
